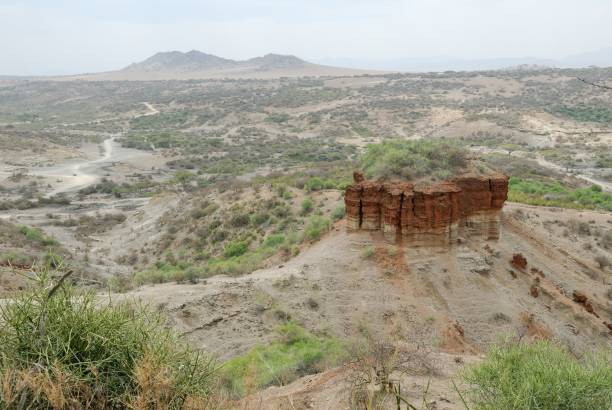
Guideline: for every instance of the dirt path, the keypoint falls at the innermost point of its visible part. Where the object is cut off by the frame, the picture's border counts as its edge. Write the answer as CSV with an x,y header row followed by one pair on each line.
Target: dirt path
x,y
152,110
78,175
75,176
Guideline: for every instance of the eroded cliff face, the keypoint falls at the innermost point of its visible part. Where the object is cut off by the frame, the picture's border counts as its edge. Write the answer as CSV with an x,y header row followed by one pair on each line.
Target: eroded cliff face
x,y
428,213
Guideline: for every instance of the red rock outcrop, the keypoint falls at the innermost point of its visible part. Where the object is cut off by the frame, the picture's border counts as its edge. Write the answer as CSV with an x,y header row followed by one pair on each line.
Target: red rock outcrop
x,y
583,300
371,205
519,261
428,213
352,202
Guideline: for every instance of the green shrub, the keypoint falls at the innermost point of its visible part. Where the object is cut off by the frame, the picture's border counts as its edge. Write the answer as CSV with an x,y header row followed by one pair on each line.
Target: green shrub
x,y
15,258
205,210
306,206
260,218
35,235
182,177
274,241
235,249
338,213
316,184
295,354
155,275
239,220
368,252
190,274
62,348
539,376
316,226
319,183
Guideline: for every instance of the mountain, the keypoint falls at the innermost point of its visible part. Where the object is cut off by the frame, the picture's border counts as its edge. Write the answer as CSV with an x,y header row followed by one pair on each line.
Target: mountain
x,y
196,61
175,60
270,61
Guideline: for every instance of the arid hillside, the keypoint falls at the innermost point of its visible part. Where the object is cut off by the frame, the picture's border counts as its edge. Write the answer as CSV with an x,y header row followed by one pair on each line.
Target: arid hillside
x,y
453,300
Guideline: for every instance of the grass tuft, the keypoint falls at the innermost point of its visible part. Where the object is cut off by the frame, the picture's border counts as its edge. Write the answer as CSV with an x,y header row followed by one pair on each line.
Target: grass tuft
x,y
540,376
296,353
62,348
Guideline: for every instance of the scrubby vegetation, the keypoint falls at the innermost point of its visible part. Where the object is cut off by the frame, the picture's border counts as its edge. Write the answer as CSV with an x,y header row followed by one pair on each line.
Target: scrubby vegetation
x,y
35,235
141,186
61,348
414,159
585,112
88,225
539,376
296,353
28,203
23,245
209,237
555,193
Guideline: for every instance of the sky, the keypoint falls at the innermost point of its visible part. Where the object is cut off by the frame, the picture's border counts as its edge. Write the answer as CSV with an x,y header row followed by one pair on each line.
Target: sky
x,y
68,36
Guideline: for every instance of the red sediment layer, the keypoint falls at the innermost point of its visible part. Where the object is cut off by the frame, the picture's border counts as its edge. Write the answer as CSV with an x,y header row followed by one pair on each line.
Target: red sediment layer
x,y
433,210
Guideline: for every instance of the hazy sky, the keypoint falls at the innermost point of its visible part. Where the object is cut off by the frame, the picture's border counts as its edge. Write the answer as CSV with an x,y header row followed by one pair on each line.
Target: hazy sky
x,y
70,36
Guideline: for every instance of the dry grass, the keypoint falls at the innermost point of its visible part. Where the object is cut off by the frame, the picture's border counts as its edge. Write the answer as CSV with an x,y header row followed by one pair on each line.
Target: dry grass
x,y
61,349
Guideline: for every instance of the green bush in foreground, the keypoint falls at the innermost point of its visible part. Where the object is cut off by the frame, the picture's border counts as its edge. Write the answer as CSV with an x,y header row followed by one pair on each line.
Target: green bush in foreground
x,y
295,354
60,348
539,376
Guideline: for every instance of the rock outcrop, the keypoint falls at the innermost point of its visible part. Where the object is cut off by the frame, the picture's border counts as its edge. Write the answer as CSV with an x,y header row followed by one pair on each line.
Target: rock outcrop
x,y
428,213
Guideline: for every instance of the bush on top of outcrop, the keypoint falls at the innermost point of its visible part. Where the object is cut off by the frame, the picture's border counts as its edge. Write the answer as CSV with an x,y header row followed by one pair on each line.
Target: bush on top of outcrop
x,y
439,158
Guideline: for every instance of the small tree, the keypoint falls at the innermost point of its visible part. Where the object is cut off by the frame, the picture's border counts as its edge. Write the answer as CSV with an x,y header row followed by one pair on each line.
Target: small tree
x,y
183,178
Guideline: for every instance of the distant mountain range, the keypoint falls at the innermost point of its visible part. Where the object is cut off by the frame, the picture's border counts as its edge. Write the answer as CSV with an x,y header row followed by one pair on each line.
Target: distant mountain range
x,y
198,61
177,65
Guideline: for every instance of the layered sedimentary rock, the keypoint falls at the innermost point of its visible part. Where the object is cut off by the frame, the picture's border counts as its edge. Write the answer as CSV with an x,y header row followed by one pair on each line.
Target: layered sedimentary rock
x,y
482,198
352,201
371,205
428,213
